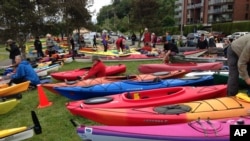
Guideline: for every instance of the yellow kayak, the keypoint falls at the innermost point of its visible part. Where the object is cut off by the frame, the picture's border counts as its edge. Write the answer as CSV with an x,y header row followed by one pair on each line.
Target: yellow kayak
x,y
7,106
6,90
102,53
21,133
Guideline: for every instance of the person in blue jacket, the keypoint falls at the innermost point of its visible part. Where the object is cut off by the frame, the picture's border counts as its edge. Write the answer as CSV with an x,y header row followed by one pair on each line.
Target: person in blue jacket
x,y
24,72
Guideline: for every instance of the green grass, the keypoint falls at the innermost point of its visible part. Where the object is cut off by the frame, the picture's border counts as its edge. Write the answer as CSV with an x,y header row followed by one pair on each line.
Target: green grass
x,y
3,53
55,120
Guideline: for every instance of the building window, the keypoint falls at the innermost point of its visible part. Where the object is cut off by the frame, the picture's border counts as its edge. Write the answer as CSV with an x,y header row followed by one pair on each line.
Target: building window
x,y
247,7
246,16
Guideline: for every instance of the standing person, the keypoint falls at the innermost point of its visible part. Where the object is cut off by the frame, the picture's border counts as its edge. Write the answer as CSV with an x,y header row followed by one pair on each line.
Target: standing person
x,y
170,49
153,40
94,42
146,37
105,41
38,47
50,45
168,37
98,69
13,49
211,40
202,43
72,42
238,58
133,38
24,72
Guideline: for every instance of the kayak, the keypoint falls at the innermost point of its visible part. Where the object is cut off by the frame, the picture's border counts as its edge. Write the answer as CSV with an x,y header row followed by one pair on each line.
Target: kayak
x,y
194,53
6,90
74,74
78,93
131,57
202,73
222,79
108,79
21,133
216,108
155,97
6,106
102,53
151,68
197,130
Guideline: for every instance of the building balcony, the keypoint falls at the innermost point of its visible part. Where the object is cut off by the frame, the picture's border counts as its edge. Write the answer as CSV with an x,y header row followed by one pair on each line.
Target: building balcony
x,y
218,11
219,2
178,2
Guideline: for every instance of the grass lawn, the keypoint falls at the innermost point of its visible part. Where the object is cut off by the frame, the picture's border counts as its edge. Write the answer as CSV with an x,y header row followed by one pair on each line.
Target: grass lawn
x,y
55,120
3,53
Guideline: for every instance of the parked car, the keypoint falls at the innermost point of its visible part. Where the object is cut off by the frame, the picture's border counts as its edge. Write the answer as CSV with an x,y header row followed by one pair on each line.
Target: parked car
x,y
236,35
177,37
192,39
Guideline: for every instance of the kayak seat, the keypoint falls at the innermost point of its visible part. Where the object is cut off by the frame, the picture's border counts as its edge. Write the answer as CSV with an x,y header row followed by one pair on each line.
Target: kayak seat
x,y
157,79
172,109
129,95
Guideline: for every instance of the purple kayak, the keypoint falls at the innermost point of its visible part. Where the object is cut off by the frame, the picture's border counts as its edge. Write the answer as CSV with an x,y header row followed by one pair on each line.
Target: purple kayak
x,y
205,130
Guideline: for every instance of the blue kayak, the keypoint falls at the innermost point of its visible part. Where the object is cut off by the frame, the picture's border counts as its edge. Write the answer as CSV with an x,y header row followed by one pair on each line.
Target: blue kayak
x,y
78,93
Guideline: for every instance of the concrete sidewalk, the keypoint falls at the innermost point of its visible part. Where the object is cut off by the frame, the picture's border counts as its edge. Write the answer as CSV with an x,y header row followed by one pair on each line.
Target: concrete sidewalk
x,y
5,62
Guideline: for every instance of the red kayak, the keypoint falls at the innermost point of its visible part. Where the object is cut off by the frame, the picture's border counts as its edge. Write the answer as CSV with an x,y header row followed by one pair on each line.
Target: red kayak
x,y
152,68
74,74
147,98
208,109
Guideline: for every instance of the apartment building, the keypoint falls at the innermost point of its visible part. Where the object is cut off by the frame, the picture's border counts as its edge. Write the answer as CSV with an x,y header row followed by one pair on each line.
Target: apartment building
x,y
207,12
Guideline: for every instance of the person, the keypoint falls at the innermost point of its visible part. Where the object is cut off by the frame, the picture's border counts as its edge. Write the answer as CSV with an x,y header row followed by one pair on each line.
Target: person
x,y
120,44
105,41
170,49
153,39
133,38
238,59
146,37
98,69
50,45
94,42
73,51
202,43
38,47
168,37
211,40
23,72
146,49
13,49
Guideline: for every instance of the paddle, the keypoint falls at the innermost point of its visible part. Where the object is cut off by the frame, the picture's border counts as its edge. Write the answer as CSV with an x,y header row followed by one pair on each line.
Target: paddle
x,y
123,77
37,127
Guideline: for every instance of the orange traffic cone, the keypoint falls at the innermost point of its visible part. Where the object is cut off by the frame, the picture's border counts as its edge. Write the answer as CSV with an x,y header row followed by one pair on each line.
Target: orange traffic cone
x,y
43,101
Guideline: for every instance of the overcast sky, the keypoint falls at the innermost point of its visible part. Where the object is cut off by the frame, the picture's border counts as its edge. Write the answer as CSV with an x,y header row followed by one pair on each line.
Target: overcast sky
x,y
98,4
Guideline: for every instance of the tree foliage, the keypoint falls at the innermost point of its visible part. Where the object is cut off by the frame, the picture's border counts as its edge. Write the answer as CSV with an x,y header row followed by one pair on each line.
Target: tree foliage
x,y
21,18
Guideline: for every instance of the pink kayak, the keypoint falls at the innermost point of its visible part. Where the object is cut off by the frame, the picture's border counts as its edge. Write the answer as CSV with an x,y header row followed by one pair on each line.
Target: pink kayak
x,y
73,74
152,68
199,130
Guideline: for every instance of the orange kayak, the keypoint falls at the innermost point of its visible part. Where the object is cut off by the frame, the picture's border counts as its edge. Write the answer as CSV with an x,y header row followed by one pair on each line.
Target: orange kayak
x,y
108,79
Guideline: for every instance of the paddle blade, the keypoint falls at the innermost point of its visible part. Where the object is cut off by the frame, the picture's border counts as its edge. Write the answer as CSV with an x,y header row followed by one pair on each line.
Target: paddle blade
x,y
37,126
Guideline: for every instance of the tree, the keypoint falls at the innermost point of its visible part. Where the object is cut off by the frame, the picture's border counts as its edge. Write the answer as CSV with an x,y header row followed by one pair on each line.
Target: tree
x,y
144,14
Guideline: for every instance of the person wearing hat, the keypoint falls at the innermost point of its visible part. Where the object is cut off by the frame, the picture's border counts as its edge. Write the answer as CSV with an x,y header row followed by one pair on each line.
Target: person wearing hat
x,y
146,38
98,69
13,49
